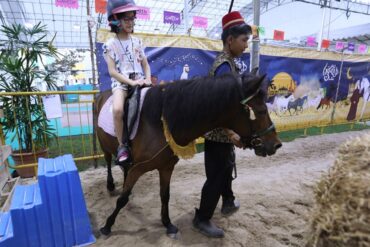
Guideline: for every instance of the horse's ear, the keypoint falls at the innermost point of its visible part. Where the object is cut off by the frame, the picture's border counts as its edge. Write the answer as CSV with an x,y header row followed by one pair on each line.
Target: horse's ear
x,y
255,84
264,82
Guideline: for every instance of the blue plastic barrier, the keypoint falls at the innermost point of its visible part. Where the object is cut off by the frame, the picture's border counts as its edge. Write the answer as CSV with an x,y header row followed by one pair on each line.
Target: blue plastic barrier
x,y
51,212
6,230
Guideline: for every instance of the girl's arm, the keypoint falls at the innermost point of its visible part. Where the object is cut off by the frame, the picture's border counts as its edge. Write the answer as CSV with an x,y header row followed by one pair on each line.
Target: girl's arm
x,y
114,73
147,72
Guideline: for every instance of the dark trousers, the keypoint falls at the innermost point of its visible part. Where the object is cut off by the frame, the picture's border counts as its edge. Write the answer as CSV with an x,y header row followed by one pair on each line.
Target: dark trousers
x,y
219,159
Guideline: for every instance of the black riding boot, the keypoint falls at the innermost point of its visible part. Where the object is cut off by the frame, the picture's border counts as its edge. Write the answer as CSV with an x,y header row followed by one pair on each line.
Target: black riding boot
x,y
206,227
229,206
123,152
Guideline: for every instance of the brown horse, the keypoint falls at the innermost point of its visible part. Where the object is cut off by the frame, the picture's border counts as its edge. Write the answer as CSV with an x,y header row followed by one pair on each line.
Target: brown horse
x,y
324,101
191,108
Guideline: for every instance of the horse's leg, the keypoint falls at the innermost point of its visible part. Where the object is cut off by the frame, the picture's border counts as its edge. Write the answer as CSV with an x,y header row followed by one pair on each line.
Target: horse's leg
x,y
110,180
165,178
133,175
125,172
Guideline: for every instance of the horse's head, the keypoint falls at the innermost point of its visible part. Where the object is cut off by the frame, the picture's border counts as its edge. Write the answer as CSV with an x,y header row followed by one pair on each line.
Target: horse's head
x,y
254,125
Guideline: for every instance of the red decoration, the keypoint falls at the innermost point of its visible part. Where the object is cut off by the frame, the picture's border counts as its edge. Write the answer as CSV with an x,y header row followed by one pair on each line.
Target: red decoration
x,y
325,43
101,6
278,35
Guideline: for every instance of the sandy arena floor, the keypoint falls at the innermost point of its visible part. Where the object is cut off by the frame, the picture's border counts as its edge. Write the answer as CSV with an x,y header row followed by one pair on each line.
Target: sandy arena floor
x,y
275,193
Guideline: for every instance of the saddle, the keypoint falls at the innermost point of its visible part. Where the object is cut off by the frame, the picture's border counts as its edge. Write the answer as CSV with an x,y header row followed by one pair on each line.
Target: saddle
x,y
132,109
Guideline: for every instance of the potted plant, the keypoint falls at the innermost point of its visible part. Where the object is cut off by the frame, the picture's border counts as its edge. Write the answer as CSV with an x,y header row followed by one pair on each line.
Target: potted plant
x,y
24,120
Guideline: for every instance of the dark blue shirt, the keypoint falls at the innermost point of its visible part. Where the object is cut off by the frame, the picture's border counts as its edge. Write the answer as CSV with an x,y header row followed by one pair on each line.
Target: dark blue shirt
x,y
223,69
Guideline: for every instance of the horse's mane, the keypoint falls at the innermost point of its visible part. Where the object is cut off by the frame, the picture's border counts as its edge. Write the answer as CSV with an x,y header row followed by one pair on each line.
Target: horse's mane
x,y
187,103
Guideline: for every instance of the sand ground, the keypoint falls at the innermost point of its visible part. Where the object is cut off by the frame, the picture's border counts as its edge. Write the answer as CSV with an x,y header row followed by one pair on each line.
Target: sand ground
x,y
275,193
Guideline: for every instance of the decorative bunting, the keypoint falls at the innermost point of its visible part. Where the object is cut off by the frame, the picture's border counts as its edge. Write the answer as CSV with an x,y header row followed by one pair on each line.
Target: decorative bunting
x,y
311,41
351,46
101,6
325,43
143,13
171,17
362,48
67,3
278,35
261,31
199,21
339,46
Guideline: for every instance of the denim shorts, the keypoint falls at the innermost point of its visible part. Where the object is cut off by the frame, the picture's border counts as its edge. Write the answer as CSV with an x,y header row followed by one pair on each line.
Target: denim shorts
x,y
122,86
117,85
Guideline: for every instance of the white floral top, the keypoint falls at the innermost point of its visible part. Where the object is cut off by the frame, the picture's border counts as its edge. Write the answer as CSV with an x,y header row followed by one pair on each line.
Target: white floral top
x,y
127,55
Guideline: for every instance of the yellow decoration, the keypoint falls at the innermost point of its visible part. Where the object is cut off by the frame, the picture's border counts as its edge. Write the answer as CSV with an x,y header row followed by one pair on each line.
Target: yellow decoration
x,y
255,32
184,152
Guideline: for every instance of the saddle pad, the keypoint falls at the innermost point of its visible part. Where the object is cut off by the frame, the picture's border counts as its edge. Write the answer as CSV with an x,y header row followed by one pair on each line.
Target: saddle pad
x,y
105,118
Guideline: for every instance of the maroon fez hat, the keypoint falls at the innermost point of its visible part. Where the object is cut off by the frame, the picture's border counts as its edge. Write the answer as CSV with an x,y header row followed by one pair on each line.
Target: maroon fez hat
x,y
231,19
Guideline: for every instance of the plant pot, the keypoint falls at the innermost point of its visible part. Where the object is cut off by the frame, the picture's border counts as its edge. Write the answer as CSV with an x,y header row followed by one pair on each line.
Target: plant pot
x,y
28,158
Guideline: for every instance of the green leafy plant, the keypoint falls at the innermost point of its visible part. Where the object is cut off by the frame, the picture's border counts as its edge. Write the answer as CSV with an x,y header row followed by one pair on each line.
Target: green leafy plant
x,y
22,50
67,62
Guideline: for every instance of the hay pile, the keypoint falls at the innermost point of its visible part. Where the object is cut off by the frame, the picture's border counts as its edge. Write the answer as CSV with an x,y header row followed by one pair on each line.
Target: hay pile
x,y
341,215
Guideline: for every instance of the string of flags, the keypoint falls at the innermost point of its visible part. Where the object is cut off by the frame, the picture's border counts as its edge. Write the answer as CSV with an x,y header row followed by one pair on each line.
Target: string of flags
x,y
144,14
325,43
340,45
202,22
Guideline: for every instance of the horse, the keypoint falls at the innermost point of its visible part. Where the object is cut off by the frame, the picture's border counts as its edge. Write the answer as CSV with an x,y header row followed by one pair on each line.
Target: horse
x,y
314,101
279,103
324,101
296,104
187,109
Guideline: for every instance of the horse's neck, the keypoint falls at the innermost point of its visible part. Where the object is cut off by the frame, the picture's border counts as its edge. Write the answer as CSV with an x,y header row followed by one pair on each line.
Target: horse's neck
x,y
221,120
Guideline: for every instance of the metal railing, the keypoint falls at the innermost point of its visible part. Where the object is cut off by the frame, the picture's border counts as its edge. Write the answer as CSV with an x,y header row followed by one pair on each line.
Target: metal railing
x,y
74,130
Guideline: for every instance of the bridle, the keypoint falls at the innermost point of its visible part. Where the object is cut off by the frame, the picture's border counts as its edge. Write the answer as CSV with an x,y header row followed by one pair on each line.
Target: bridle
x,y
255,140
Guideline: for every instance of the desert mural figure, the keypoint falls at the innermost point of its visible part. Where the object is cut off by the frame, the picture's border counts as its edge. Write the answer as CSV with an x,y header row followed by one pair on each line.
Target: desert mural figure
x,y
185,72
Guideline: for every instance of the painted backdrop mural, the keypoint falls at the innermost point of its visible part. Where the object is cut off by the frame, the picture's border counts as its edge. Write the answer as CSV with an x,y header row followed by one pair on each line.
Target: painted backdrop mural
x,y
307,88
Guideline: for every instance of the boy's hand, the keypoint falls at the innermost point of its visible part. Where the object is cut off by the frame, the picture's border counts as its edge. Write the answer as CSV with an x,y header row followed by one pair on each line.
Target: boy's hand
x,y
234,138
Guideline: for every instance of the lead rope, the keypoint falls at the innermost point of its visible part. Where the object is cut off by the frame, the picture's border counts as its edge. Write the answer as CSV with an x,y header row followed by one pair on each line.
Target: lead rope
x,y
153,157
234,165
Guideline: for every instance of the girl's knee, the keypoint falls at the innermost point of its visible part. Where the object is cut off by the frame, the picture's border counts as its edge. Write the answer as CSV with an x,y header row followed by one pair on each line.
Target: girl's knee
x,y
118,112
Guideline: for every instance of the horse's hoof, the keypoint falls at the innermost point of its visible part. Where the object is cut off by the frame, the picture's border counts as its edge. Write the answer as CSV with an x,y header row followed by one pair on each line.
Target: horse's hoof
x,y
176,236
173,232
111,187
105,231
